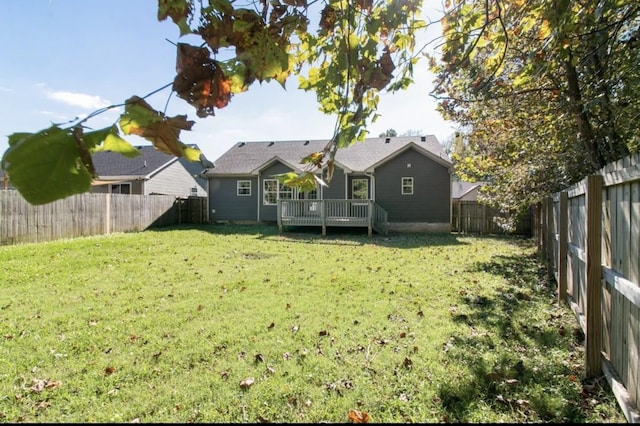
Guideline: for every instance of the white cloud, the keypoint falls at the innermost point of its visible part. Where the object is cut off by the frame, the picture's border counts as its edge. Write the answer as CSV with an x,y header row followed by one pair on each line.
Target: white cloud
x,y
81,100
5,89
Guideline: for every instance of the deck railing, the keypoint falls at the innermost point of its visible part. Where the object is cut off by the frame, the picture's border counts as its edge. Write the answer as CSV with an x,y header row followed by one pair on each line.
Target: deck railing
x,y
332,213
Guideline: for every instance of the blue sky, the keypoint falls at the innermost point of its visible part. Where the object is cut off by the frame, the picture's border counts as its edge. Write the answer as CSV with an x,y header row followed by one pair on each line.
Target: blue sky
x,y
63,59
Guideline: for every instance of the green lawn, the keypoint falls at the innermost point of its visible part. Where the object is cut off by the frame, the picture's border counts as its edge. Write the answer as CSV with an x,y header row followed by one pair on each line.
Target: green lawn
x,y
237,324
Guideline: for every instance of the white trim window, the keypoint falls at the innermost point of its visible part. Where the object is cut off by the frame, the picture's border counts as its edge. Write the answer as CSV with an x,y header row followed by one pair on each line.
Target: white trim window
x,y
272,191
360,189
407,186
269,192
120,188
243,188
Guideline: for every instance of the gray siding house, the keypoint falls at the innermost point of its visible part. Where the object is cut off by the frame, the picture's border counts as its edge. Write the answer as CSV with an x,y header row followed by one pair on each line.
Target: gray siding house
x,y
405,179
151,172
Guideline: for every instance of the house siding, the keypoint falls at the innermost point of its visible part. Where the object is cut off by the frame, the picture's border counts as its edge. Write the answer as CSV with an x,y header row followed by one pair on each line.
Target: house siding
x,y
176,180
335,188
431,199
226,205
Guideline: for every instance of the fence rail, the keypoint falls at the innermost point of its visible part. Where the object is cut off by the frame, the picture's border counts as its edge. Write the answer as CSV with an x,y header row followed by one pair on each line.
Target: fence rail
x,y
88,214
332,213
589,235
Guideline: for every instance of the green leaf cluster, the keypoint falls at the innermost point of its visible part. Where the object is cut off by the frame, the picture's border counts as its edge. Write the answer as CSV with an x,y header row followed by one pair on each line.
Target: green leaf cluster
x,y
542,92
56,162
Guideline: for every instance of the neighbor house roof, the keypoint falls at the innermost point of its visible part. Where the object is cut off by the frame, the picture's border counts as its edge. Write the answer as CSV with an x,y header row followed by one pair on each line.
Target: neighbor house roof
x,y
248,158
150,161
459,189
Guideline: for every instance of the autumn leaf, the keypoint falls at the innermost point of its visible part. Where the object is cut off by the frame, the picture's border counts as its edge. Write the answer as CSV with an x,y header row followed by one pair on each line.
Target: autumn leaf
x,y
357,416
314,158
163,132
200,80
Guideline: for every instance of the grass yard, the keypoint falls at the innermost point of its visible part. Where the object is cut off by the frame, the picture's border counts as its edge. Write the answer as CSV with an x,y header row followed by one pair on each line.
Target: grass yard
x,y
235,324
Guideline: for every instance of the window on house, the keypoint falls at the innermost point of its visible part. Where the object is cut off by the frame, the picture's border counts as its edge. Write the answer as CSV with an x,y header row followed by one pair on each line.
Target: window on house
x,y
274,191
121,188
360,189
243,188
407,186
270,191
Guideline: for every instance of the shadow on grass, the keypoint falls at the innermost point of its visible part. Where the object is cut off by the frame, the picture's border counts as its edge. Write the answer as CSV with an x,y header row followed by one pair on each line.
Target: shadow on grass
x,y
355,236
503,349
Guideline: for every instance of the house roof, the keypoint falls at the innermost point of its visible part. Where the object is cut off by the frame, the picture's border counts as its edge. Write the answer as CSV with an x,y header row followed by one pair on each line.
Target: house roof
x,y
247,158
459,189
149,162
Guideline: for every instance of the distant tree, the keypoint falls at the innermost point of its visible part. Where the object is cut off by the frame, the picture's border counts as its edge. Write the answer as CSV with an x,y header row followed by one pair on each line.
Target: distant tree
x,y
389,133
546,91
413,133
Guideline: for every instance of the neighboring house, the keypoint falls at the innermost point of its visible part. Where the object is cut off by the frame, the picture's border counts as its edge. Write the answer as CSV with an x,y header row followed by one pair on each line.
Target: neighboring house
x,y
151,172
408,177
465,191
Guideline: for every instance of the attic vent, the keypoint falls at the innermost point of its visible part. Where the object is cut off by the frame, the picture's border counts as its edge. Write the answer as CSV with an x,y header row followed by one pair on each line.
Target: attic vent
x,y
241,144
306,142
387,140
423,138
271,143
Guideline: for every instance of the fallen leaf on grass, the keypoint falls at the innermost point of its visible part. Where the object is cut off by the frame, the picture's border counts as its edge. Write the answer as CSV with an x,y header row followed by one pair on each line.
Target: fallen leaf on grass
x,y
247,383
41,384
407,363
357,416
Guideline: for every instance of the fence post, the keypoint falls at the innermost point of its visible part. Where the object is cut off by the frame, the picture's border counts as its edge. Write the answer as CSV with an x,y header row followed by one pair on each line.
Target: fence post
x,y
542,210
370,213
593,227
324,217
549,237
563,236
538,226
107,213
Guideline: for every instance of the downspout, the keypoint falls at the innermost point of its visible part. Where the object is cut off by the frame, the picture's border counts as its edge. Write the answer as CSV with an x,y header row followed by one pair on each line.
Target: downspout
x,y
258,199
346,186
373,185
208,218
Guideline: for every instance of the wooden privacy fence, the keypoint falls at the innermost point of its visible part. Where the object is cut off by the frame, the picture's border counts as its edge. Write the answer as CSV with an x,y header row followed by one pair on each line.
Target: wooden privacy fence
x,y
85,215
589,235
476,218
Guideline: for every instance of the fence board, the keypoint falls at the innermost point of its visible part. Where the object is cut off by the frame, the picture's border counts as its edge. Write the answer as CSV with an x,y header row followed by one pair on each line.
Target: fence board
x,y
615,277
634,236
85,215
474,217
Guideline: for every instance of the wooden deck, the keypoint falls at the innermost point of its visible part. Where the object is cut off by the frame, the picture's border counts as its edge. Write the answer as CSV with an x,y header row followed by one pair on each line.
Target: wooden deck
x,y
323,213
